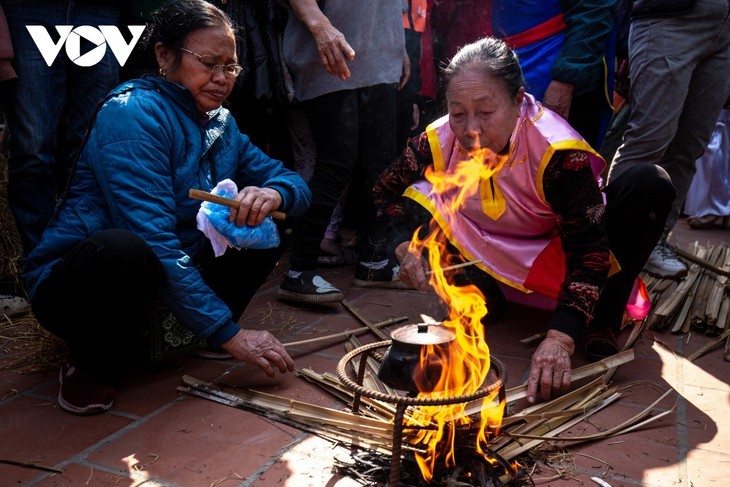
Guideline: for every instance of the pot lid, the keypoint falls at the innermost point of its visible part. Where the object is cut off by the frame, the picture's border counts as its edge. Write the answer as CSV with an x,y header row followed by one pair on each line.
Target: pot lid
x,y
423,334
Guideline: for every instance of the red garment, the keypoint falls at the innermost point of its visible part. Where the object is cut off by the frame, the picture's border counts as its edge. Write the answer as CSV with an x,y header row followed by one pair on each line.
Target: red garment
x,y
6,50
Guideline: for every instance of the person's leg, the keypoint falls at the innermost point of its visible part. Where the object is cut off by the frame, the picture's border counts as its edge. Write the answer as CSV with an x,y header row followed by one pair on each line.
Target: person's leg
x,y
97,299
376,149
664,55
658,87
32,106
237,275
706,94
87,86
637,205
333,120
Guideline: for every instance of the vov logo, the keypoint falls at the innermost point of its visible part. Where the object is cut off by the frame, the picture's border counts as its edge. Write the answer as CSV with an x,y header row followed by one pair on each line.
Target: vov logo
x,y
71,36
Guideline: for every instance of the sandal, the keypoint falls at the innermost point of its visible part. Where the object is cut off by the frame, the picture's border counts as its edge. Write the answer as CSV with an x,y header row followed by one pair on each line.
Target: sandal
x,y
599,344
707,222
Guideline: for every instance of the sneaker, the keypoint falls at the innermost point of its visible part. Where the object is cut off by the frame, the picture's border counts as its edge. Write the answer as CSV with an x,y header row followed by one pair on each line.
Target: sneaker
x,y
81,394
12,305
309,287
383,274
664,263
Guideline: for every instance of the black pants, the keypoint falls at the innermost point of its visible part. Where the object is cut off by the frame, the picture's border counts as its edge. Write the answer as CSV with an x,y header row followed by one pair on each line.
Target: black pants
x,y
354,133
98,297
637,206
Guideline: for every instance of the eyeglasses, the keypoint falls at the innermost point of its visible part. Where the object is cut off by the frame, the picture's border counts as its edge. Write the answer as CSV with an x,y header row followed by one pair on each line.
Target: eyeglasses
x,y
230,70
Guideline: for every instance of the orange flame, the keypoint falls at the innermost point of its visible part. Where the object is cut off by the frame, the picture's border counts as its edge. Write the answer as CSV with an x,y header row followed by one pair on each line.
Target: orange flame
x,y
464,365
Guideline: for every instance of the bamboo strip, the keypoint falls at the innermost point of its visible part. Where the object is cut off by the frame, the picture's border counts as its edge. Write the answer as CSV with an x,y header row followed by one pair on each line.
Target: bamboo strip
x,y
197,194
576,401
666,310
718,292
704,263
589,370
722,315
292,408
615,431
554,427
348,437
456,266
356,331
633,336
369,380
682,322
559,403
378,333
699,307
373,407
709,346
374,367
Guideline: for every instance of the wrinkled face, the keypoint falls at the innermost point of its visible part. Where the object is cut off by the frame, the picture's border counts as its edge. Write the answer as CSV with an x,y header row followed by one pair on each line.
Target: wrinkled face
x,y
482,113
209,87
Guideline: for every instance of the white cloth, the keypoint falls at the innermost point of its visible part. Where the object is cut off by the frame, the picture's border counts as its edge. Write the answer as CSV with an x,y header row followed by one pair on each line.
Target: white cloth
x,y
709,193
219,242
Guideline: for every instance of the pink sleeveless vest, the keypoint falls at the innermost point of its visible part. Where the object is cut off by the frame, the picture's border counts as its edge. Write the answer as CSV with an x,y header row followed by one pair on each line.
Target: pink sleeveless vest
x,y
507,223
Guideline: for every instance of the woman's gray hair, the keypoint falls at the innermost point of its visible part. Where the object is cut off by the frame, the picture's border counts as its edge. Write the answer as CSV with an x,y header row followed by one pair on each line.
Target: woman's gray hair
x,y
173,21
492,56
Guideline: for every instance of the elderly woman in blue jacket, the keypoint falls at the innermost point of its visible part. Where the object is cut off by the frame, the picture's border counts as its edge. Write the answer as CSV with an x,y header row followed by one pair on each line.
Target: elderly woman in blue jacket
x,y
125,231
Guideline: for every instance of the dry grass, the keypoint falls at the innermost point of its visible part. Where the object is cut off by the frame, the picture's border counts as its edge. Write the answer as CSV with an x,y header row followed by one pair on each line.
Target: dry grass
x,y
24,345
27,347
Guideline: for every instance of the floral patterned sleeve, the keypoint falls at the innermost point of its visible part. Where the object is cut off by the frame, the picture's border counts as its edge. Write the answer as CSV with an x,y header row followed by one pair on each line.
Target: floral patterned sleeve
x,y
399,223
407,169
574,195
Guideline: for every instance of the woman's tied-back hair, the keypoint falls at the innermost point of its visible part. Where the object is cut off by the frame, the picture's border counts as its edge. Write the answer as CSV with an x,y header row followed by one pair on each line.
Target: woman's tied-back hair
x,y
491,55
171,23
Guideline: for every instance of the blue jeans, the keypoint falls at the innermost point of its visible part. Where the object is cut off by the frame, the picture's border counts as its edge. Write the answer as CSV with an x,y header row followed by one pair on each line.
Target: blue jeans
x,y
679,81
35,103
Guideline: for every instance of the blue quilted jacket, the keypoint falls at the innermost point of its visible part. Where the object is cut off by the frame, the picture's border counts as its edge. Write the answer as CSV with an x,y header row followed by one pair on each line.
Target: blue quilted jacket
x,y
146,149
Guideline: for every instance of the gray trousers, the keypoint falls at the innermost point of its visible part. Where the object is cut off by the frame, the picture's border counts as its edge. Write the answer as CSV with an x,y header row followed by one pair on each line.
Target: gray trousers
x,y
680,78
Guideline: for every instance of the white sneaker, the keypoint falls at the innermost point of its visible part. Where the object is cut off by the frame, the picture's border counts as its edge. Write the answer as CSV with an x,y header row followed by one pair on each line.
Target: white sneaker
x,y
664,263
12,305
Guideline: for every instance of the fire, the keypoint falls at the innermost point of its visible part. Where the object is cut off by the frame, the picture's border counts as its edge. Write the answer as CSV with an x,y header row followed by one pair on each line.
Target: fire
x,y
464,368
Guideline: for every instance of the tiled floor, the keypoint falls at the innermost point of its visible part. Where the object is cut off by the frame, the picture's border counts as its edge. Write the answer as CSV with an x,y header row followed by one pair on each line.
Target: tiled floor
x,y
156,436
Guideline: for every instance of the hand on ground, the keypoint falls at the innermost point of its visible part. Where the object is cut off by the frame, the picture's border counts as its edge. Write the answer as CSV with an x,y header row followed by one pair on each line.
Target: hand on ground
x,y
260,348
550,368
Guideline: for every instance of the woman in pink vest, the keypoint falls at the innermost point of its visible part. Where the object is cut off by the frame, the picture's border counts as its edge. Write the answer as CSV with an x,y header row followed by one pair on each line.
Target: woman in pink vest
x,y
540,223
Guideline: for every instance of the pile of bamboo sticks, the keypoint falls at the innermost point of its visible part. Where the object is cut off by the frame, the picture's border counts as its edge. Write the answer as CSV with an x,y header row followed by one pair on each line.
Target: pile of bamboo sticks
x,y
698,303
372,429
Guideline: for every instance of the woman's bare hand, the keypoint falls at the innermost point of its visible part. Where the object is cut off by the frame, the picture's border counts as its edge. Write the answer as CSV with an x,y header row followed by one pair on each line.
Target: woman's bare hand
x,y
551,367
413,268
254,205
260,348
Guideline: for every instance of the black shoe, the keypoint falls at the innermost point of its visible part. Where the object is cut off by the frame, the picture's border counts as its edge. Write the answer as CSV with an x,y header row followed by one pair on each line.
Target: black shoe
x,y
387,277
309,287
82,394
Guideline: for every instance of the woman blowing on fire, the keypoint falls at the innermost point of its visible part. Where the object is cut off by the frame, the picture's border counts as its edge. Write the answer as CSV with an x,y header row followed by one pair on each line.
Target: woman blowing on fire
x,y
537,221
